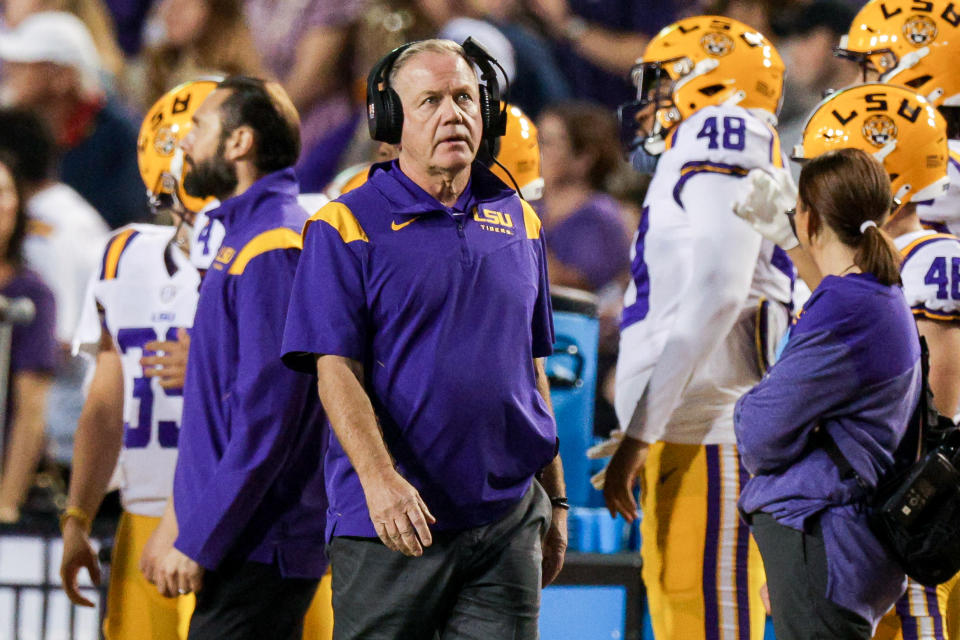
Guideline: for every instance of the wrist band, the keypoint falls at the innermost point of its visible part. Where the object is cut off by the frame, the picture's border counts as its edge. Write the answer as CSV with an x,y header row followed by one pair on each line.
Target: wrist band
x,y
560,502
81,516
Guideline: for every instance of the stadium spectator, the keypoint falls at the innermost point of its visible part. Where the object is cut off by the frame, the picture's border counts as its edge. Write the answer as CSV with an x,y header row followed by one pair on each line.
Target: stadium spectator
x,y
248,488
828,575
585,229
94,15
199,37
596,43
51,66
62,245
33,352
398,287
307,45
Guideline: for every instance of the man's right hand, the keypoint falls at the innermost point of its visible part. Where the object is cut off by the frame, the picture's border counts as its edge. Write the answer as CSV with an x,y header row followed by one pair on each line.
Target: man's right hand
x,y
399,514
77,553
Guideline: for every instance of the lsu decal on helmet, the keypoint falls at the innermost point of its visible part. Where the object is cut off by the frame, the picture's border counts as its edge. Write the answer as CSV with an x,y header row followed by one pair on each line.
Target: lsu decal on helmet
x,y
158,146
698,62
899,127
519,153
914,43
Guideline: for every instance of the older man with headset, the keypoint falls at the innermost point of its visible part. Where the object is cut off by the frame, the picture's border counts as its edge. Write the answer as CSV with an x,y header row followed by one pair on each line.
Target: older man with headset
x,y
421,301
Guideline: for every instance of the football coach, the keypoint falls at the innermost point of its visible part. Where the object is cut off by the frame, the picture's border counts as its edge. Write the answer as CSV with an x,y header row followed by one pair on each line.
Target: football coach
x,y
421,301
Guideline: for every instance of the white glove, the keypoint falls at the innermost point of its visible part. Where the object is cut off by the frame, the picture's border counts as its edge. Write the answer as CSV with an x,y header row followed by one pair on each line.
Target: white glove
x,y
763,202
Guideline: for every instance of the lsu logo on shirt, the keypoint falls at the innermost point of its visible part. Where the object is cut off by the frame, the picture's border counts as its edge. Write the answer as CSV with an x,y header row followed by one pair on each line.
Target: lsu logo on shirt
x,y
224,256
495,221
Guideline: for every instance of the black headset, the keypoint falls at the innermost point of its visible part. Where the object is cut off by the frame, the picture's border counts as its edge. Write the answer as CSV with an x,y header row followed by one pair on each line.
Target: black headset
x,y
385,113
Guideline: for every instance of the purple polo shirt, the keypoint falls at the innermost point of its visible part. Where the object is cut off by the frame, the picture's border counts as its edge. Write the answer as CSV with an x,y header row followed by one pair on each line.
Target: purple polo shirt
x,y
446,308
249,478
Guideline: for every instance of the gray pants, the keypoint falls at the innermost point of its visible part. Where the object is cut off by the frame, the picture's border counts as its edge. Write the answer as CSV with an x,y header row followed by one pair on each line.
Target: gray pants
x,y
477,584
796,567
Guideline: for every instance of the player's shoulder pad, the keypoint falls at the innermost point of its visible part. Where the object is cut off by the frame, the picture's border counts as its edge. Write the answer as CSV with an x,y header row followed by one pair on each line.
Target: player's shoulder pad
x,y
264,242
730,138
125,237
339,215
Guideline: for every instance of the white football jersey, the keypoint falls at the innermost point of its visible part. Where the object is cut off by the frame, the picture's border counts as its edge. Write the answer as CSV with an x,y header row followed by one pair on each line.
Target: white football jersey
x,y
208,233
930,272
144,291
944,212
679,371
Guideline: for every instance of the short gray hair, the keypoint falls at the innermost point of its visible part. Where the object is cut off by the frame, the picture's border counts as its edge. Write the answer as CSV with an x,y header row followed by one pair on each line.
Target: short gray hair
x,y
434,45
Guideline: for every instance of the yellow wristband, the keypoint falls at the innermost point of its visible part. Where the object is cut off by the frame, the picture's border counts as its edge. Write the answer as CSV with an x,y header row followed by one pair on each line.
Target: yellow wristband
x,y
81,516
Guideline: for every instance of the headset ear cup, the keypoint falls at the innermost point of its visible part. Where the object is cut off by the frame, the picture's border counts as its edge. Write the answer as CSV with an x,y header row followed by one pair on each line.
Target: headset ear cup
x,y
393,117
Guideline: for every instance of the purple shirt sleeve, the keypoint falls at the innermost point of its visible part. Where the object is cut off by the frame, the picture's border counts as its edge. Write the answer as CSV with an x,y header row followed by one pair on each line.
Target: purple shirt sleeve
x,y
264,408
775,419
542,326
328,311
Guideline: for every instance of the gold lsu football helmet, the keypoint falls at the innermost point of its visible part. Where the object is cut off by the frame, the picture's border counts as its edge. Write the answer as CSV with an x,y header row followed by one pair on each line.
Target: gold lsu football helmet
x,y
698,62
159,156
911,43
897,126
519,153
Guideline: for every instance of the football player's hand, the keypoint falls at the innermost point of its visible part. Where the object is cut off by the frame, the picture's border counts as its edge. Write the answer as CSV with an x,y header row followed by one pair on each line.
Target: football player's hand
x,y
158,546
621,477
399,514
77,553
178,575
763,202
765,599
170,363
554,546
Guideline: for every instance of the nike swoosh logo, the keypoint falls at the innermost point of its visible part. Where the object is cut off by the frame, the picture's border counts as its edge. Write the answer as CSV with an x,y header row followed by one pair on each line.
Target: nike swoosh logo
x,y
397,227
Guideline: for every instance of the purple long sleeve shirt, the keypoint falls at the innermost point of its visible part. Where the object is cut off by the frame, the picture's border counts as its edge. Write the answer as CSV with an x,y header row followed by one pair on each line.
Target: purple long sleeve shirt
x,y
852,367
249,479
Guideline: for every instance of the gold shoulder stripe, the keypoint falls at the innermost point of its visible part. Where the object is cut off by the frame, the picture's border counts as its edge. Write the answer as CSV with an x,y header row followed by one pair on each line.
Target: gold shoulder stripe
x,y
272,240
925,239
530,220
112,259
339,216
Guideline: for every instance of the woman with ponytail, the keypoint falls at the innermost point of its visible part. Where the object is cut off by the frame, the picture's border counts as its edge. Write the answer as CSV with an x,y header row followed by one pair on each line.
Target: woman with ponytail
x,y
851,371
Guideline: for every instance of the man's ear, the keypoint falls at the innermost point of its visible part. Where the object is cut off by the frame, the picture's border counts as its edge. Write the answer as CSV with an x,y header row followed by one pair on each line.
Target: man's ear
x,y
239,144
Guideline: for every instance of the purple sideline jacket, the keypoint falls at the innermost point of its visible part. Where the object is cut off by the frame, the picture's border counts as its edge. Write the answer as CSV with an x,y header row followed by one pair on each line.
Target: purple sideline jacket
x,y
446,307
852,366
249,479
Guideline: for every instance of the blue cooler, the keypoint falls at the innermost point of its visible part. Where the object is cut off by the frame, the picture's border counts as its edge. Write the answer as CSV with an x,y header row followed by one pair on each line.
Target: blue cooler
x,y
572,371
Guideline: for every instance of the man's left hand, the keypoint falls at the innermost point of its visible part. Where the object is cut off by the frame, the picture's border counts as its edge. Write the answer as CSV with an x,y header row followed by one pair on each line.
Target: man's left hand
x,y
178,575
554,546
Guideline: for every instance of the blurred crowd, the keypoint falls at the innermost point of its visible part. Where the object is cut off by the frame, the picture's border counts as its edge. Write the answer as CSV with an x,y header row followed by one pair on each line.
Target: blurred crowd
x,y
78,75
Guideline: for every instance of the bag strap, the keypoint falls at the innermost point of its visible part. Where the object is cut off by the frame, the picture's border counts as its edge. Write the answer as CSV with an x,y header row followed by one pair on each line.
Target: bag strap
x,y
920,421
